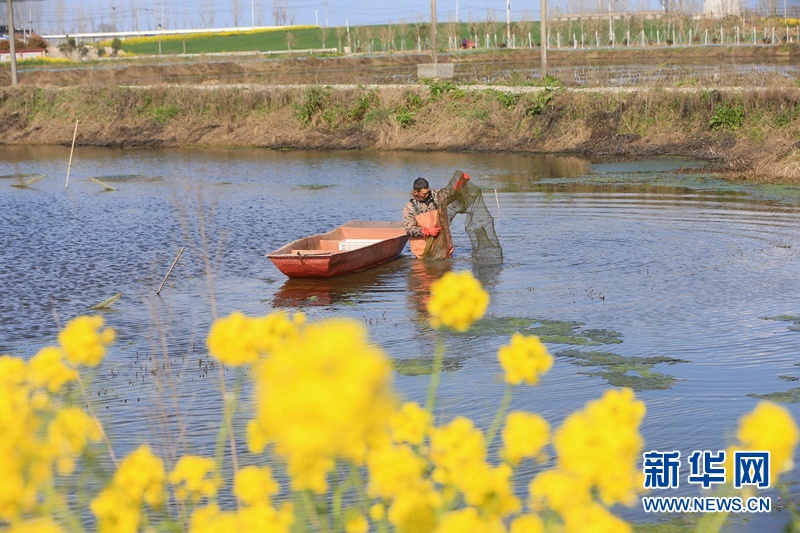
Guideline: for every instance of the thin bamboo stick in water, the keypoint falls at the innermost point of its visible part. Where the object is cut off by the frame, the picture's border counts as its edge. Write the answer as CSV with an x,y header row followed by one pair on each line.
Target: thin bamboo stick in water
x,y
170,269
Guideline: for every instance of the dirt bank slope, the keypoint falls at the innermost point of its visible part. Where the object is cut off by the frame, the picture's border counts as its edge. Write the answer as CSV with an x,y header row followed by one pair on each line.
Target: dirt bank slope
x,y
751,133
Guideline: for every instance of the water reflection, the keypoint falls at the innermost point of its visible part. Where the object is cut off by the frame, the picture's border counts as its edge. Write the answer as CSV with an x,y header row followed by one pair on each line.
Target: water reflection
x,y
349,290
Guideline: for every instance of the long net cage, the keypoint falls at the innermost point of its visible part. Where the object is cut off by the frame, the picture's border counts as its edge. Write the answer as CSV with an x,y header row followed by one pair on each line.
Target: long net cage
x,y
460,196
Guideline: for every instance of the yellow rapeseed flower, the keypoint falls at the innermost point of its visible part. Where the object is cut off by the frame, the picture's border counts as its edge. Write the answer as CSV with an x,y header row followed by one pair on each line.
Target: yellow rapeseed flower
x,y
770,427
377,512
488,489
468,520
525,359
190,478
115,514
83,342
527,523
68,435
139,478
410,423
238,339
394,470
602,445
415,512
255,485
457,301
558,490
524,436
355,522
263,517
454,447
47,368
36,525
593,518
323,395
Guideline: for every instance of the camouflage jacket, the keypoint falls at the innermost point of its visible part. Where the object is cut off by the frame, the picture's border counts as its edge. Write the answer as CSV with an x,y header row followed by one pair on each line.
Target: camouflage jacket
x,y
415,207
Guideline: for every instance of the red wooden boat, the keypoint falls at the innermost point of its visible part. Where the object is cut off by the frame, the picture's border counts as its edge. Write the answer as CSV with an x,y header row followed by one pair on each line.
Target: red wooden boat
x,y
351,247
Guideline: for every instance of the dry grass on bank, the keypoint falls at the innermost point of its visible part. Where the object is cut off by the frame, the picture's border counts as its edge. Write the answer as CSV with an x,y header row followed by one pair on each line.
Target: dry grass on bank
x,y
749,132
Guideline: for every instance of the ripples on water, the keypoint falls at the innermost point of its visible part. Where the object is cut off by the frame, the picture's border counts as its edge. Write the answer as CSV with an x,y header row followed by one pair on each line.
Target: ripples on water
x,y
679,266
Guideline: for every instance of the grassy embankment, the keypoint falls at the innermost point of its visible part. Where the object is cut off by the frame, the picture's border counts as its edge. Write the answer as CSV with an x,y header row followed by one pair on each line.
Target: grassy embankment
x,y
752,134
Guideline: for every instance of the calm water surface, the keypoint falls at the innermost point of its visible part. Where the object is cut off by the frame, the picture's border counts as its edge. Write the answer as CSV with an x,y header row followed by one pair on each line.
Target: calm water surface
x,y
634,259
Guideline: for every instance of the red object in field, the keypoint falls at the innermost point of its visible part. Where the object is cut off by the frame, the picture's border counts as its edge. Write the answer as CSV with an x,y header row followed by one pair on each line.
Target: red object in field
x,y
354,246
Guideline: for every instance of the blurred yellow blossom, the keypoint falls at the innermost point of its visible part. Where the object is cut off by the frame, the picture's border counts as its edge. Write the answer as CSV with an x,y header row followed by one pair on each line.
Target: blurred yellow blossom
x,y
558,490
527,523
355,522
259,517
468,520
68,434
770,427
488,488
139,479
525,359
415,512
238,339
36,525
255,485
47,368
377,512
394,470
83,342
410,423
524,436
263,517
455,446
593,518
191,478
602,445
323,395
457,301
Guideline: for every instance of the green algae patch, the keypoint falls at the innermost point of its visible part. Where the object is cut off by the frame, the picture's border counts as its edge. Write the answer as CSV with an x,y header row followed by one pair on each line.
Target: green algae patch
x,y
678,523
789,396
423,366
551,331
634,372
314,187
788,378
795,320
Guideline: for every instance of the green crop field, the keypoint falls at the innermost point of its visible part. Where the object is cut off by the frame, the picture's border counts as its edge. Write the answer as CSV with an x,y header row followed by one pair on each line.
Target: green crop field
x,y
384,38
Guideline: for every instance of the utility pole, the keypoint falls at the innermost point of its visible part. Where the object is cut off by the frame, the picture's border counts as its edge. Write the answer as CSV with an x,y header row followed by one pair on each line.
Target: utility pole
x,y
543,28
434,40
508,23
252,14
326,13
316,18
610,27
12,47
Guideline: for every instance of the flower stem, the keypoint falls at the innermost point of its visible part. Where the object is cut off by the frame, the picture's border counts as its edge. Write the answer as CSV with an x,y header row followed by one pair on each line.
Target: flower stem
x,y
499,415
436,376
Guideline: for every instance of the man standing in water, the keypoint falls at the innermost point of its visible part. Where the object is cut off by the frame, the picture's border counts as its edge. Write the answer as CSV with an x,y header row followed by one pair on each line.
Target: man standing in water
x,y
421,217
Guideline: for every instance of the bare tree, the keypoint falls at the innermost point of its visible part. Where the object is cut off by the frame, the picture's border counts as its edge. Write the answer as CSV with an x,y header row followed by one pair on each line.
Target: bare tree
x,y
387,37
340,30
290,40
323,31
280,12
60,16
402,28
235,8
207,15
